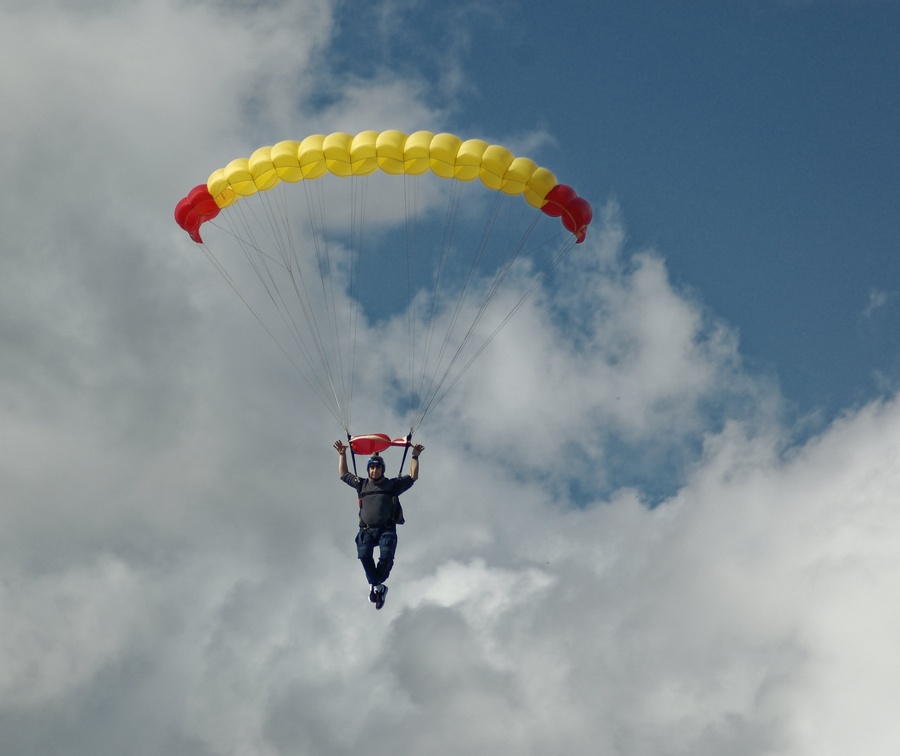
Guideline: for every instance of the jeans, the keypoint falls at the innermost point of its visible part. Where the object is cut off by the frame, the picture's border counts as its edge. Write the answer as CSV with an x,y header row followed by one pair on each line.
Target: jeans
x,y
366,541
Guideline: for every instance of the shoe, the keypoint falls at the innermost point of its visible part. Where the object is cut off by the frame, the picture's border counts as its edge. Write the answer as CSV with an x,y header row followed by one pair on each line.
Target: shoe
x,y
380,596
372,596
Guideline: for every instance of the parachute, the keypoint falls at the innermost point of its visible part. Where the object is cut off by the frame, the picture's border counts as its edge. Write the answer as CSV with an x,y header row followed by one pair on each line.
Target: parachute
x,y
325,261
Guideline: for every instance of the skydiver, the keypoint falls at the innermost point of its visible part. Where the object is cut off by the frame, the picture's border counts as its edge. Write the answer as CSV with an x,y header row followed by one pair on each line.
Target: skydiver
x,y
377,518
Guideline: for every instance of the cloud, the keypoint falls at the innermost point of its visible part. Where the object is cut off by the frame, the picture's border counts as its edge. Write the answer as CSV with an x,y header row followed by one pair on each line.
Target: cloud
x,y
878,300
177,571
88,603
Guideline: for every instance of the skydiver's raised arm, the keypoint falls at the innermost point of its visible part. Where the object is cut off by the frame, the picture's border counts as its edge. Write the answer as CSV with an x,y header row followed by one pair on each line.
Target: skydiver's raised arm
x,y
414,464
342,458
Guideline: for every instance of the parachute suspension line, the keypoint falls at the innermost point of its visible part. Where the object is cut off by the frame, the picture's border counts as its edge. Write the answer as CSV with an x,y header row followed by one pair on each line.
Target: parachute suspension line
x,y
499,277
301,293
565,247
358,194
323,258
437,290
411,208
316,389
345,319
280,227
427,393
260,263
283,241
280,214
315,202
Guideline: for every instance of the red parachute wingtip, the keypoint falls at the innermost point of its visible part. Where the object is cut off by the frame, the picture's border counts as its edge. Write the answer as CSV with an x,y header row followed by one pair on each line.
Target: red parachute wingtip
x,y
576,214
194,210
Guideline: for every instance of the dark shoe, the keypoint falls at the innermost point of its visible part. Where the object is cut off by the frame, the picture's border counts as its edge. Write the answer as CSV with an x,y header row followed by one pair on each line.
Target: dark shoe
x,y
372,597
380,596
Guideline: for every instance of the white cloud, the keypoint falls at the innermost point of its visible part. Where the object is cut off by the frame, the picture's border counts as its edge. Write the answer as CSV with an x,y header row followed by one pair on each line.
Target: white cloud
x,y
878,300
59,629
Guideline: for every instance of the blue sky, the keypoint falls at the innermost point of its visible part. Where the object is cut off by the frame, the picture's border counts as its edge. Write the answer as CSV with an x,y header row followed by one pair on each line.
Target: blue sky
x,y
753,144
657,517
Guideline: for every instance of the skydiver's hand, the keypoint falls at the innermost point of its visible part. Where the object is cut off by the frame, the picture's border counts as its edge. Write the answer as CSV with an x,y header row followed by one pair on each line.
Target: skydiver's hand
x,y
417,450
340,447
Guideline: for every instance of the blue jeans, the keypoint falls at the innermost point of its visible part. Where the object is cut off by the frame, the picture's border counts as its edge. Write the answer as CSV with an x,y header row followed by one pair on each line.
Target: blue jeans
x,y
386,541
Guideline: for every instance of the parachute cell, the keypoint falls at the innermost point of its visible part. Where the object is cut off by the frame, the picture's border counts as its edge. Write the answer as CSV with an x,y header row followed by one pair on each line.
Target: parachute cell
x,y
195,209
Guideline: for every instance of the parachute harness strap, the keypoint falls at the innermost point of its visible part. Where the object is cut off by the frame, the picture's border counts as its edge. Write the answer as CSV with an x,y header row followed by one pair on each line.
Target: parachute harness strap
x,y
405,451
352,453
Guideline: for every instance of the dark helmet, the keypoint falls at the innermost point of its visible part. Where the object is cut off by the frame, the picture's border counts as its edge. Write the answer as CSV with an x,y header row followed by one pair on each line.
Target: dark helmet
x,y
375,461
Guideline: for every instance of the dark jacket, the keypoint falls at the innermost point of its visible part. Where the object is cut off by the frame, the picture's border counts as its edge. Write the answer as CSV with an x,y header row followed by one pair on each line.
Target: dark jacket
x,y
376,497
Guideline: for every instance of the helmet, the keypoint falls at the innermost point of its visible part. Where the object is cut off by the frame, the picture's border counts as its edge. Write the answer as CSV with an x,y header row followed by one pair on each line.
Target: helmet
x,y
375,461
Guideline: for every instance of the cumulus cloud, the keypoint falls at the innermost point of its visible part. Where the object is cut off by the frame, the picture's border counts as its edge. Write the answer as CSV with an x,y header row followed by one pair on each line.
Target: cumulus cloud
x,y
613,547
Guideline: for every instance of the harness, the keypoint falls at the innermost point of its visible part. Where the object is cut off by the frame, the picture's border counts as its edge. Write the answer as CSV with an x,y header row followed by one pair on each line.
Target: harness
x,y
397,517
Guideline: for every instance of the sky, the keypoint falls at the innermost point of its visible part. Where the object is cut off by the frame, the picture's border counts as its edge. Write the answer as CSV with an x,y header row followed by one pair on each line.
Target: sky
x,y
657,517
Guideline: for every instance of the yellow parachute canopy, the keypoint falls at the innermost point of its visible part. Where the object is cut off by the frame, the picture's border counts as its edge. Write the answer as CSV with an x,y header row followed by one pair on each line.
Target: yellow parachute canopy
x,y
310,275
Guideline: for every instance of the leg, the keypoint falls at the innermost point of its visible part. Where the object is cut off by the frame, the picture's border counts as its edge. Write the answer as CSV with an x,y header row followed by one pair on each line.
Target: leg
x,y
387,546
365,547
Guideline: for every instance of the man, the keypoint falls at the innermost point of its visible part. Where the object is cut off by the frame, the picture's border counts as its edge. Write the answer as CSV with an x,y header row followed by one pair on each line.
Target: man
x,y
377,523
